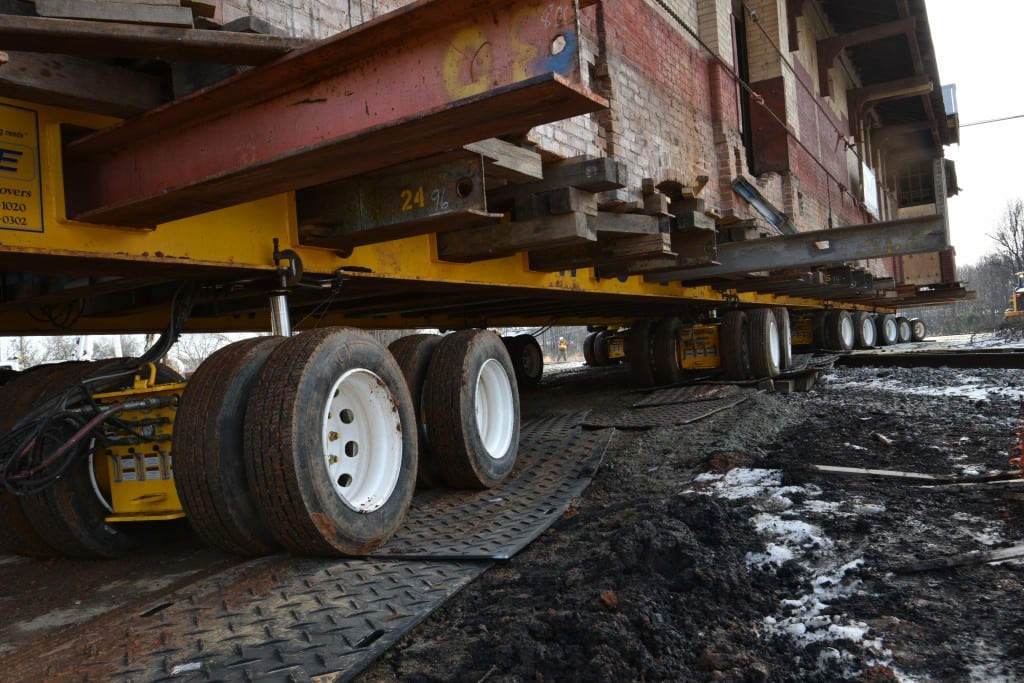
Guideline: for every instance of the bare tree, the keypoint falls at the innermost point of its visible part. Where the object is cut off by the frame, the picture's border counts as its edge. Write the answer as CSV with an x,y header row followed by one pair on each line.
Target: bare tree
x,y
192,349
132,346
1009,236
23,350
59,348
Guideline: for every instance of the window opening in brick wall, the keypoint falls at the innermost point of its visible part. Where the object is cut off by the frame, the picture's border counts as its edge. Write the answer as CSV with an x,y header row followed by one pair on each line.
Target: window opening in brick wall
x,y
917,184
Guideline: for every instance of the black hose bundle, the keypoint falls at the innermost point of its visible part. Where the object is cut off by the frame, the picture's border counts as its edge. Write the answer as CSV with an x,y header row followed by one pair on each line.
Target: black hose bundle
x,y
50,438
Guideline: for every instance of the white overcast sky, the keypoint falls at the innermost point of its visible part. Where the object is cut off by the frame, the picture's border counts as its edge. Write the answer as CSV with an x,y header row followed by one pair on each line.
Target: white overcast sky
x,y
978,45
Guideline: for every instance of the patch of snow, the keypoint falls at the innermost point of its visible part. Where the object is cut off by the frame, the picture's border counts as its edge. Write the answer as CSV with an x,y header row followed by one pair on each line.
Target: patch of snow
x,y
972,389
775,555
791,532
868,509
821,506
809,617
854,446
740,483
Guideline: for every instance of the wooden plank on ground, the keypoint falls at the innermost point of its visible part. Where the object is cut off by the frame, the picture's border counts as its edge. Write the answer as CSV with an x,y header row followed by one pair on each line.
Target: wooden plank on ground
x,y
125,12
99,39
962,560
479,244
81,84
889,474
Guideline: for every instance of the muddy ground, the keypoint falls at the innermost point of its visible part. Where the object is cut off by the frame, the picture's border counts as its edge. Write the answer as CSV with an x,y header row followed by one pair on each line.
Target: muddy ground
x,y
699,552
709,551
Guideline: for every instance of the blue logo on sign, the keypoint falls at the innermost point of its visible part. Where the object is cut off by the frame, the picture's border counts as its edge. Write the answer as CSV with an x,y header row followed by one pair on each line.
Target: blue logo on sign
x,y
9,160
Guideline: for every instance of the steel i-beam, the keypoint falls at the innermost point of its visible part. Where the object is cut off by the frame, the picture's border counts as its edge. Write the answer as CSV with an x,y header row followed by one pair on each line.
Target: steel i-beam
x,y
821,247
433,75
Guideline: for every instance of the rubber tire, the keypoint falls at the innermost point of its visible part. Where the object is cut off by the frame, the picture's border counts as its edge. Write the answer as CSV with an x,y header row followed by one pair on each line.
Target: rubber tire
x,y
819,330
209,430
7,376
451,393
734,343
839,331
785,336
520,350
887,330
903,331
18,396
588,349
601,358
284,454
413,354
763,330
918,330
665,351
865,330
68,516
638,352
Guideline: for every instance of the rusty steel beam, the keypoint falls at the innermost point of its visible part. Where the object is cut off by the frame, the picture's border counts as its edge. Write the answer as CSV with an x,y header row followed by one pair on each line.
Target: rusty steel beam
x,y
433,75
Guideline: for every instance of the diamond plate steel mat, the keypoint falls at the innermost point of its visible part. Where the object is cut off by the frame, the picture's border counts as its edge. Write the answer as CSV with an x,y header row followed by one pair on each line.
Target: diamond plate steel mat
x,y
283,618
498,523
802,362
686,394
656,416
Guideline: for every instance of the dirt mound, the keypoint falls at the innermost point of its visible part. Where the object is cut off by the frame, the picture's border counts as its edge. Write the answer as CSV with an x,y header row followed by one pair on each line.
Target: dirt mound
x,y
711,552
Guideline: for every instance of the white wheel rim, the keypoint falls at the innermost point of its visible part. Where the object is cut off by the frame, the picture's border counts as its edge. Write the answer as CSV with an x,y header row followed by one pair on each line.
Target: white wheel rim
x,y
362,440
904,329
774,346
890,329
846,332
867,331
495,408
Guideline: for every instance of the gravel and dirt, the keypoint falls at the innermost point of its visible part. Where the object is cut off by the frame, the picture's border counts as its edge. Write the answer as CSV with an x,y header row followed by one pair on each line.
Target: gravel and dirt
x,y
710,552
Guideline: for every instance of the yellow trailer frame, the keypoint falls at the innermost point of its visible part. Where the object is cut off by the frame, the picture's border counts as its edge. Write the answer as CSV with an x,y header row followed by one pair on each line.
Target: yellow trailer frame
x,y
239,242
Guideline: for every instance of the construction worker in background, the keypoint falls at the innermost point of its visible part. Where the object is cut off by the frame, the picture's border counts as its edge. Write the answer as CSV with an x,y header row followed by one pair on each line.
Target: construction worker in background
x,y
563,348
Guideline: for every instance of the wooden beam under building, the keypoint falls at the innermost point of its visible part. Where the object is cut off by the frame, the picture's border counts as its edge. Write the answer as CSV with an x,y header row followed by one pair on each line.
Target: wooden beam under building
x,y
81,84
105,39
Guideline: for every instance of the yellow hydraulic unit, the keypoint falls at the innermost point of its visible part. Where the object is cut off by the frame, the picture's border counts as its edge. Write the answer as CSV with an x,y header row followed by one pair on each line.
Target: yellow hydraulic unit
x,y
136,474
699,348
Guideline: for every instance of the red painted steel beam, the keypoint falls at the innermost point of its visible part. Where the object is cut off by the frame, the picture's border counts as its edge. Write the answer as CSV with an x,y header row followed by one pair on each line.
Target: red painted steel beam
x,y
433,75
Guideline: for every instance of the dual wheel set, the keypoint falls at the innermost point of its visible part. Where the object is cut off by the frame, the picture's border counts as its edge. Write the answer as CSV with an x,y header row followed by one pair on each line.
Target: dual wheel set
x,y
314,443
597,350
752,343
839,330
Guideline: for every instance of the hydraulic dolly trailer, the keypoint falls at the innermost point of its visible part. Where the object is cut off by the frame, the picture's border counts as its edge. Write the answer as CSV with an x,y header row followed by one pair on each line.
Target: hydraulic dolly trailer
x,y
354,183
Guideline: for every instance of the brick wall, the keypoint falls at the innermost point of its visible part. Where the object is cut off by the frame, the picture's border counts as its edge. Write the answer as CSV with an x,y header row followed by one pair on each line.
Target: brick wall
x,y
657,79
